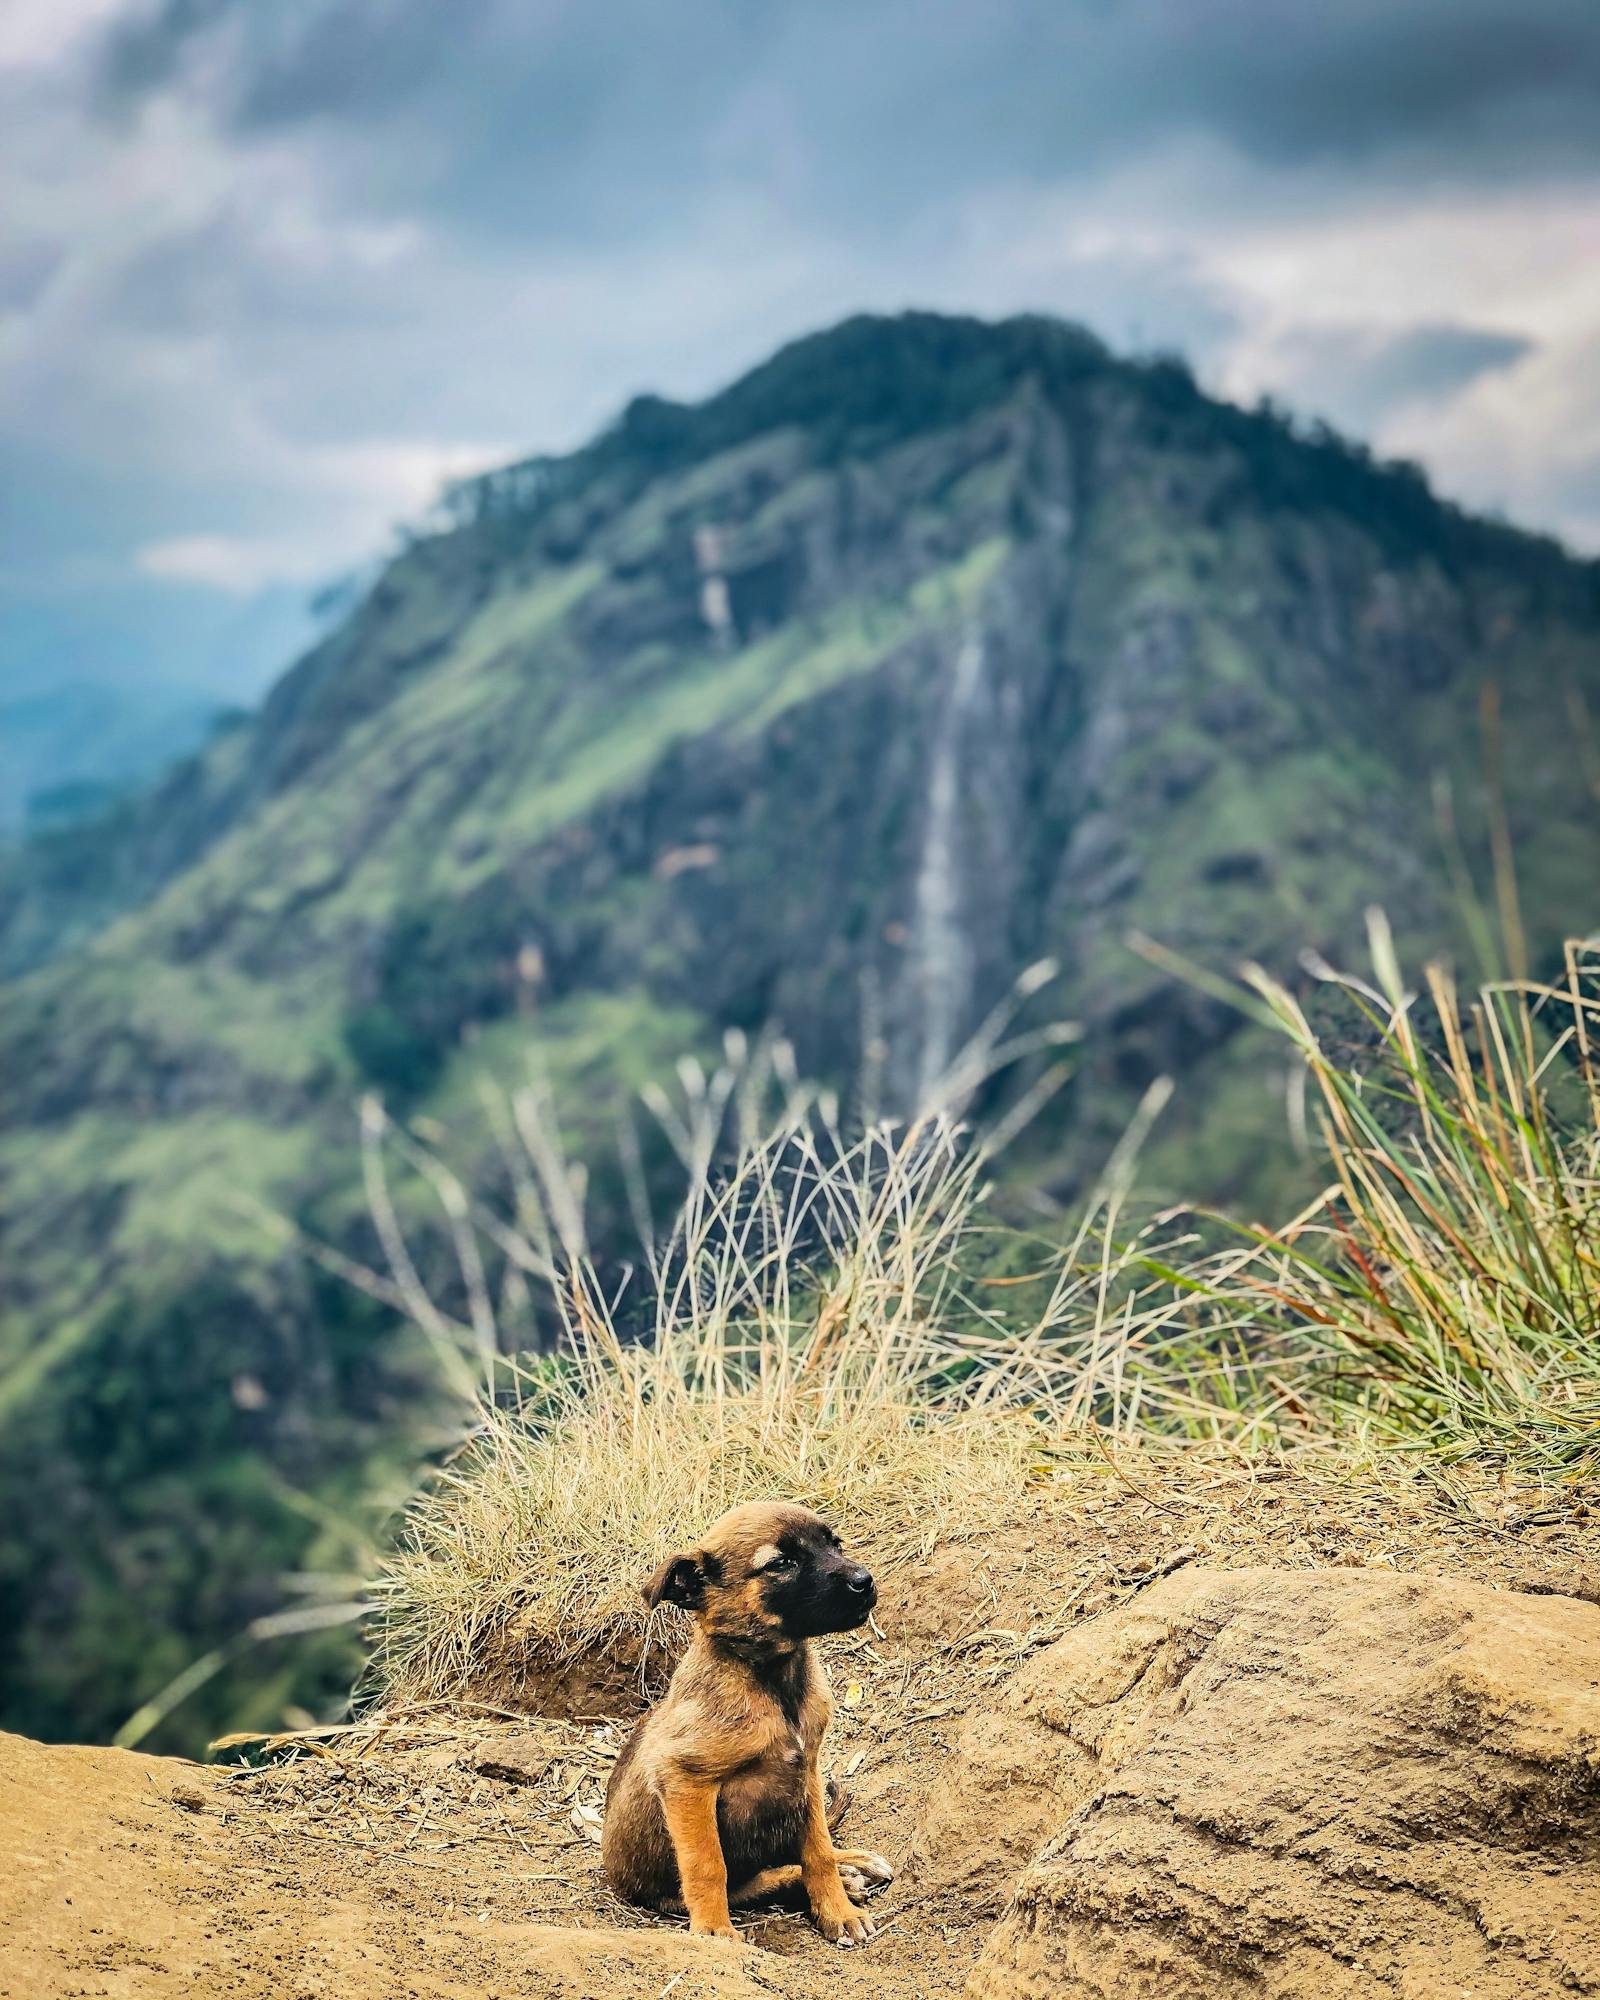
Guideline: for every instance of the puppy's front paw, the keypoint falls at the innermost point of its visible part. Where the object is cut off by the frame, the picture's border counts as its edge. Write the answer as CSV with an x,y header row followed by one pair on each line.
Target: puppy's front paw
x,y
845,1925
716,1930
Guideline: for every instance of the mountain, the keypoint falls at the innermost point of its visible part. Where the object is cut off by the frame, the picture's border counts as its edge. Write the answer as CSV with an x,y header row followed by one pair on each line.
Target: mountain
x,y
927,651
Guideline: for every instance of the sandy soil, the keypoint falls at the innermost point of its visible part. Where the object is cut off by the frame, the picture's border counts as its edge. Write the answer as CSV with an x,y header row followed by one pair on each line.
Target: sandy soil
x,y
455,1854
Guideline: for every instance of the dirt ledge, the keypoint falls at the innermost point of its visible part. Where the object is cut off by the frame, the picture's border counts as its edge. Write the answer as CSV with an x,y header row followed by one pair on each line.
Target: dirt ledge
x,y
391,1864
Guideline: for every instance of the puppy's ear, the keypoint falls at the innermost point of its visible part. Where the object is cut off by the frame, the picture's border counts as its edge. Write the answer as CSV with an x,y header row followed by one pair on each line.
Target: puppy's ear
x,y
680,1580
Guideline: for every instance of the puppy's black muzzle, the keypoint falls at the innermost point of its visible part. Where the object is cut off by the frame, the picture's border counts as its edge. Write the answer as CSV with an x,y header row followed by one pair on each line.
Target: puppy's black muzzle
x,y
856,1593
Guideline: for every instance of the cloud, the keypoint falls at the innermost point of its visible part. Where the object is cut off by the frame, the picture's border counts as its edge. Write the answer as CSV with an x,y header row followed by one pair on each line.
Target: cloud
x,y
380,483
268,272
221,562
1363,378
1513,265
36,35
1070,77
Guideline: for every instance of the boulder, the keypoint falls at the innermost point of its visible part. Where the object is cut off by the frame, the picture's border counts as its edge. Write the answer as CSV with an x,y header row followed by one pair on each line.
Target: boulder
x,y
1309,1785
515,1757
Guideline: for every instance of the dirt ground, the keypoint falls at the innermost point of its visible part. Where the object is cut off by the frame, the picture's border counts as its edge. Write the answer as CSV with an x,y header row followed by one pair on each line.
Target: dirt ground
x,y
455,1854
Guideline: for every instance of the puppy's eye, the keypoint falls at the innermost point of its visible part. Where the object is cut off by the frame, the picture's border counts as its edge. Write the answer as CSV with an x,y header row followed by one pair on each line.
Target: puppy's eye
x,y
780,1563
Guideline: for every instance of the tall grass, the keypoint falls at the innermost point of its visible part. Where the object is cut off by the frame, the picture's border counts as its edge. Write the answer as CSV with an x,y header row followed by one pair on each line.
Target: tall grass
x,y
1443,1294
826,1322
814,1334
578,1467
804,1326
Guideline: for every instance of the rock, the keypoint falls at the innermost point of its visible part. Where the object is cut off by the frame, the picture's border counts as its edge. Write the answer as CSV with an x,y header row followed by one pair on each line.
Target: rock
x,y
1581,1583
517,1759
1309,1785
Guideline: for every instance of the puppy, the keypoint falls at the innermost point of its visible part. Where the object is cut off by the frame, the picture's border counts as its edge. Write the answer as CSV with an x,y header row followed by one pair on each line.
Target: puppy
x,y
718,1796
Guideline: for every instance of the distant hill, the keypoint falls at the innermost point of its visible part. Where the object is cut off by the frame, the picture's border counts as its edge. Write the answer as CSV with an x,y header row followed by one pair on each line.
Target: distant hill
x,y
67,749
927,650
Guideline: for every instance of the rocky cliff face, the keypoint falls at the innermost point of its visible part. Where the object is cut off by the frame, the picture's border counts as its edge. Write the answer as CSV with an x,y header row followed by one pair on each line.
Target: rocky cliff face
x,y
926,652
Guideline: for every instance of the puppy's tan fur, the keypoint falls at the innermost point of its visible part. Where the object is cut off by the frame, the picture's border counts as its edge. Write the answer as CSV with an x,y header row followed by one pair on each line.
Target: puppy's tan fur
x,y
718,1797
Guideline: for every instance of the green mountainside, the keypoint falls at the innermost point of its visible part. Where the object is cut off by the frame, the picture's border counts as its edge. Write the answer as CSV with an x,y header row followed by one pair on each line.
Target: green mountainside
x,y
926,651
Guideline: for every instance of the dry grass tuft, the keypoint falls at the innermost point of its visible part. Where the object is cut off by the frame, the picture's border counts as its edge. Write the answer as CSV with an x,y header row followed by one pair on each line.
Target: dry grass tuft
x,y
797,1349
540,1535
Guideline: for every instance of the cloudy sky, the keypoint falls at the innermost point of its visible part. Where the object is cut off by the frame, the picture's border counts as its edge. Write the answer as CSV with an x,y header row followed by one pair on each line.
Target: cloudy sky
x,y
270,269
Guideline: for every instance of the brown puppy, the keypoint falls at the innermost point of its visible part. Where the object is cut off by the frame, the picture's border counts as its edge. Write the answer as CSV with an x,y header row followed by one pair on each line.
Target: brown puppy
x,y
718,1796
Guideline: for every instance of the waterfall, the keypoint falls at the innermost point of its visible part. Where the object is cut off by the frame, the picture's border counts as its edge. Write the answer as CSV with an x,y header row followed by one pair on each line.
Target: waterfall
x,y
716,606
940,958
